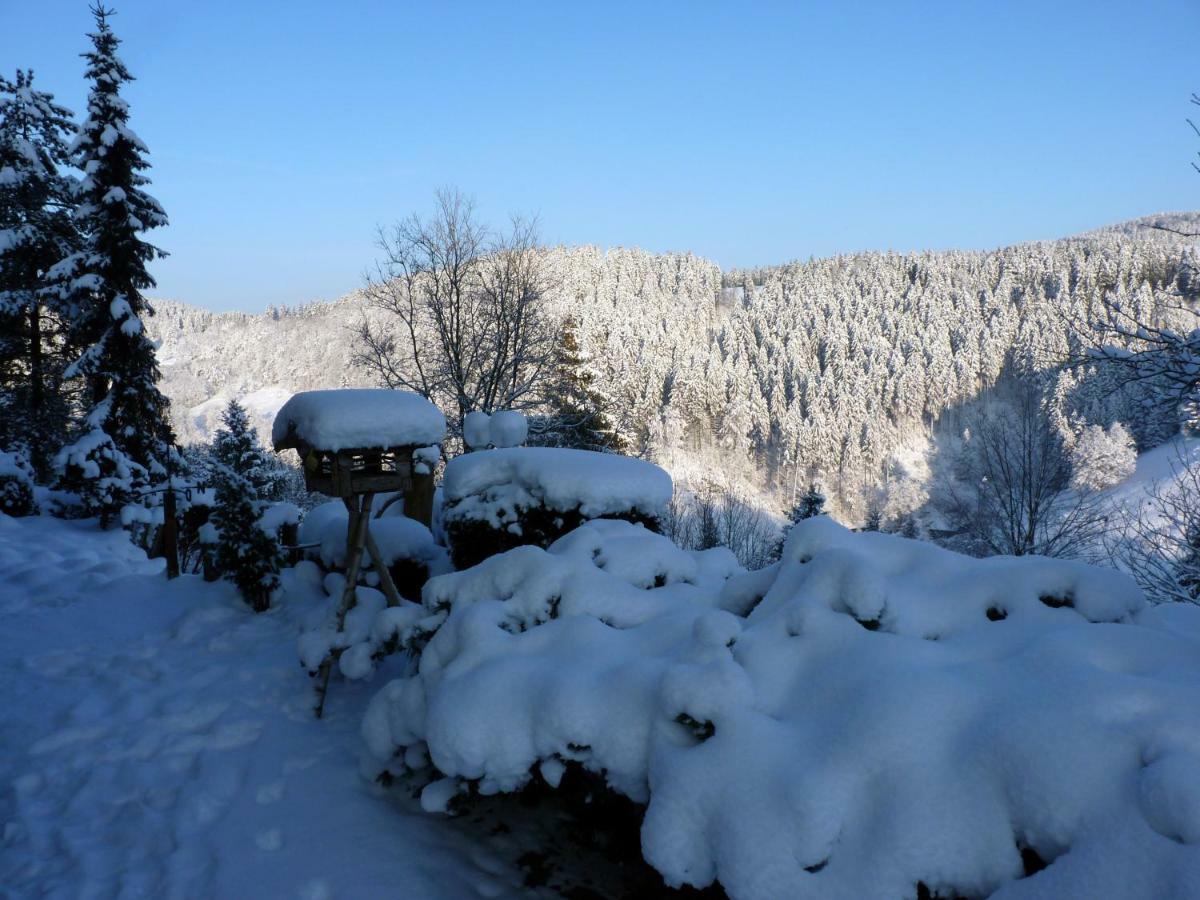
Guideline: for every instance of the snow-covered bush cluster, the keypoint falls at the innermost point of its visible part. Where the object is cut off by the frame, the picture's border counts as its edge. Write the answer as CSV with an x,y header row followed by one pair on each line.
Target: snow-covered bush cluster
x,y
507,428
498,499
16,485
868,715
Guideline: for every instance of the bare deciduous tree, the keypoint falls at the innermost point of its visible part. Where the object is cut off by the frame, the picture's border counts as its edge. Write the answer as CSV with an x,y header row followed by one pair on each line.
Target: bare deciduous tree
x,y
463,320
1159,541
1015,497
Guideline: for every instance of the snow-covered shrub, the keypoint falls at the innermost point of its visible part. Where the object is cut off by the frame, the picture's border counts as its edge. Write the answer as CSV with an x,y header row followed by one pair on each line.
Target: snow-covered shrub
x,y
16,486
1102,457
869,717
248,552
495,500
103,478
408,547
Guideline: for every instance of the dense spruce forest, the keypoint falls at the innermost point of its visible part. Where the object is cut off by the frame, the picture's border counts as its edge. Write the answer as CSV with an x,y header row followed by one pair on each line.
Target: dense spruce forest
x,y
832,370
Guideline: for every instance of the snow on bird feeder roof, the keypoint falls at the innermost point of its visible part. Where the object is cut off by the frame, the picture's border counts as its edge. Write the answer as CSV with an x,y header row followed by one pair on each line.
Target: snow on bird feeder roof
x,y
598,484
357,418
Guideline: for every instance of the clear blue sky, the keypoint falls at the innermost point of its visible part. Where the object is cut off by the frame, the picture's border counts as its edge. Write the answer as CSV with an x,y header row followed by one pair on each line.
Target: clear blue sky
x,y
282,132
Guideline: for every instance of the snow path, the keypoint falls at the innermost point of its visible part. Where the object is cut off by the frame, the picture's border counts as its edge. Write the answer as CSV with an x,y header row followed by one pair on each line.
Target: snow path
x,y
157,741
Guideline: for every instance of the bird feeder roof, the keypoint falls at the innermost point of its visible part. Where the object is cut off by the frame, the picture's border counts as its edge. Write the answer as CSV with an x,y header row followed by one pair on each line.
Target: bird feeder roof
x,y
357,419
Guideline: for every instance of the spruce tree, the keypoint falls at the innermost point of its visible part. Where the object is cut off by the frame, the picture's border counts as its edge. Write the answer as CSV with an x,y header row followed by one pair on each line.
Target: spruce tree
x,y
246,554
124,439
579,418
810,504
36,231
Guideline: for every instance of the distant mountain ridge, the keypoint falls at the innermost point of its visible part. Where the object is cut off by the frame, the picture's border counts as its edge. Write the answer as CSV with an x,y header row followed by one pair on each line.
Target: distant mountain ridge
x,y
821,368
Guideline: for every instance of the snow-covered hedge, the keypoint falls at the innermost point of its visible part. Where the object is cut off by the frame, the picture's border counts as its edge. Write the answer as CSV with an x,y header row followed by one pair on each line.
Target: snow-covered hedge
x,y
16,486
867,715
494,500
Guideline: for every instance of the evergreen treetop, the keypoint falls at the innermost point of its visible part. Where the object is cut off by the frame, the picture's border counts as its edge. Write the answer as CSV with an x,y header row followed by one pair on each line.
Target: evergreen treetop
x,y
126,430
36,230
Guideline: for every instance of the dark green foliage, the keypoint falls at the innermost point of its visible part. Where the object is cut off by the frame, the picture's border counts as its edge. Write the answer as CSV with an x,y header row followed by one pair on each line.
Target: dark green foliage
x,y
36,231
874,520
578,418
100,289
16,486
246,554
474,540
810,504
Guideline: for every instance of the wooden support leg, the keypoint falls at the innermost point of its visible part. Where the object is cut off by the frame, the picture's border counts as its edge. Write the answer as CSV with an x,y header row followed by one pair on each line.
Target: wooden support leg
x,y
356,537
385,576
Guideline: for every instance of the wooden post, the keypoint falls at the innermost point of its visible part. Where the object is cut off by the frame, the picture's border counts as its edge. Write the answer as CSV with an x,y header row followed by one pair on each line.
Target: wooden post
x,y
289,537
356,538
385,576
418,499
209,563
170,533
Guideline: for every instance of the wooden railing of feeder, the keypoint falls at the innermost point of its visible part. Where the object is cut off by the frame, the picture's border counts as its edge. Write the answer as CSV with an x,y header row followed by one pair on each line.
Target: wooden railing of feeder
x,y
356,476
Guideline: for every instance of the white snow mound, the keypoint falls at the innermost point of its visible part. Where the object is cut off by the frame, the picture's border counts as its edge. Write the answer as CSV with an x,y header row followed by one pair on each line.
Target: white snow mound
x,y
867,714
490,484
359,417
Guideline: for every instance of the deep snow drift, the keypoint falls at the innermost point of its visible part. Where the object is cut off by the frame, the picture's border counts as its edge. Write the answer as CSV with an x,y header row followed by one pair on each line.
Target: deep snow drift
x,y
158,741
868,714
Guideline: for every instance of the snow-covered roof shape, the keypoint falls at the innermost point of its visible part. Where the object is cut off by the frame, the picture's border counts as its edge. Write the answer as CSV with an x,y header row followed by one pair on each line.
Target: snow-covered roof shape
x,y
597,484
358,418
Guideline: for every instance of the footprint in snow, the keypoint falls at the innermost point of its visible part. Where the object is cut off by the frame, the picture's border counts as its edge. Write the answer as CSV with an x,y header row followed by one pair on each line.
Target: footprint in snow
x,y
269,840
269,793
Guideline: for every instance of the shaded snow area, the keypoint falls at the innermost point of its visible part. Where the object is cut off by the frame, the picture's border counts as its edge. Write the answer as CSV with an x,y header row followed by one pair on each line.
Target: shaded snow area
x,y
869,715
158,741
203,421
491,484
359,418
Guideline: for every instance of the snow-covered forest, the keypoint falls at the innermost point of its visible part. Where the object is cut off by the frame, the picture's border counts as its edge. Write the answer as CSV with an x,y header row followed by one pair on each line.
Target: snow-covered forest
x,y
840,370
561,572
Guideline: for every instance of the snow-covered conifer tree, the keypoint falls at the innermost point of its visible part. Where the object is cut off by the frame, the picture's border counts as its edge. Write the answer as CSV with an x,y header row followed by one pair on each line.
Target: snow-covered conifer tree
x,y
124,438
36,231
246,554
811,503
579,418
1102,457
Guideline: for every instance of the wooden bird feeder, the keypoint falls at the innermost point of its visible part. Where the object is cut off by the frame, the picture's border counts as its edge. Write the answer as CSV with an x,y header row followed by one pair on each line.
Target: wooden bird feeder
x,y
355,444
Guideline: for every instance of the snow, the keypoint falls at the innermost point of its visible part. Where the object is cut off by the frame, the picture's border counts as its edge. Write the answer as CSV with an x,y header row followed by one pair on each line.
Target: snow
x,y
397,537
489,484
509,428
477,430
159,742
262,406
868,713
359,418
279,514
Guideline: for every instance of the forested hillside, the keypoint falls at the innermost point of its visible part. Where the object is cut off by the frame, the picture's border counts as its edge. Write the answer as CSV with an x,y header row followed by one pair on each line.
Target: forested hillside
x,y
829,369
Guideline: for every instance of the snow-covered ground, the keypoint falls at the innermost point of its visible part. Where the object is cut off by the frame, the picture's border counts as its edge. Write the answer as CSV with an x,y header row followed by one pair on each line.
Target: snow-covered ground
x,y
157,740
201,422
1160,466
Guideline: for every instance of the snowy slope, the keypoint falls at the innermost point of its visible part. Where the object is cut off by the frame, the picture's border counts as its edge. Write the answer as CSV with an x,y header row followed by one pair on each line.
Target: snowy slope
x,y
202,421
158,742
1160,466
